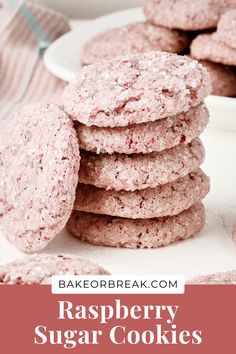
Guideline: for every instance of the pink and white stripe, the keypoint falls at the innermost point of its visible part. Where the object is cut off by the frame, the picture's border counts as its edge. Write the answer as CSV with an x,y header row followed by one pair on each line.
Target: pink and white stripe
x,y
23,77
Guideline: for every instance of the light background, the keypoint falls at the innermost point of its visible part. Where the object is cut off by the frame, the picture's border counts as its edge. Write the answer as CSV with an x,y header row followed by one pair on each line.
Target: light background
x,y
90,8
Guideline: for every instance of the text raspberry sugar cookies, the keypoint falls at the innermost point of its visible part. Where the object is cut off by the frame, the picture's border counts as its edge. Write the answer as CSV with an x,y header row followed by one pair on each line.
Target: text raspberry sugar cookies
x,y
150,198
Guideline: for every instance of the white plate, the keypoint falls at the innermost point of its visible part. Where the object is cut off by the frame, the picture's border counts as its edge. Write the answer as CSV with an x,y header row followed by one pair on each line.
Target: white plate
x,y
212,251
63,60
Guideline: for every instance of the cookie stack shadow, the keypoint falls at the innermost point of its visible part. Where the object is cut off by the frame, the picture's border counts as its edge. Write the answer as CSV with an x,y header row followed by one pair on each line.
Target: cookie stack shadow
x,y
140,183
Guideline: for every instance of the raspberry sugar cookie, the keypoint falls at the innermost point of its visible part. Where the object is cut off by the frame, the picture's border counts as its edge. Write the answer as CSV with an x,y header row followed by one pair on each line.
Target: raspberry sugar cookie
x,y
147,137
205,47
38,269
226,29
169,199
136,89
140,171
141,233
187,15
223,78
137,37
39,163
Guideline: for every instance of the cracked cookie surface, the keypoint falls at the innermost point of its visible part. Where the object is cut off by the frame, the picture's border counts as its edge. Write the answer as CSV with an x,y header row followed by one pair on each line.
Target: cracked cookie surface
x,y
141,233
39,163
38,269
135,89
205,47
187,15
136,37
226,29
146,137
140,171
168,199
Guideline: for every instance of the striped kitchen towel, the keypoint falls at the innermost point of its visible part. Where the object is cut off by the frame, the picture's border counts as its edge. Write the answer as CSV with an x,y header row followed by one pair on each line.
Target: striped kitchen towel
x,y
26,27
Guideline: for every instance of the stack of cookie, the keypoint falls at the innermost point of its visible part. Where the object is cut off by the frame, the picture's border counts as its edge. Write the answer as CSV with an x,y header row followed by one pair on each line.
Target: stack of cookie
x,y
138,121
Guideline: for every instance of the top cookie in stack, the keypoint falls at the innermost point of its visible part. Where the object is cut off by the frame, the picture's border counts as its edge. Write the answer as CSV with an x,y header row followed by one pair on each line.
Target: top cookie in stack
x,y
139,118
136,89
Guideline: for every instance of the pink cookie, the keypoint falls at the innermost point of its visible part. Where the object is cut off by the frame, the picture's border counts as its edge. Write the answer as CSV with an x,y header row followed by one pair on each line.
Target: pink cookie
x,y
169,199
147,137
138,171
204,47
141,233
136,89
39,163
136,37
187,15
226,278
223,78
38,269
226,29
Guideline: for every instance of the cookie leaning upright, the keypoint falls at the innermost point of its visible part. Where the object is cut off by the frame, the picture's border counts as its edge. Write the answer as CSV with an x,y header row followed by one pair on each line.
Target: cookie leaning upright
x,y
136,89
39,163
